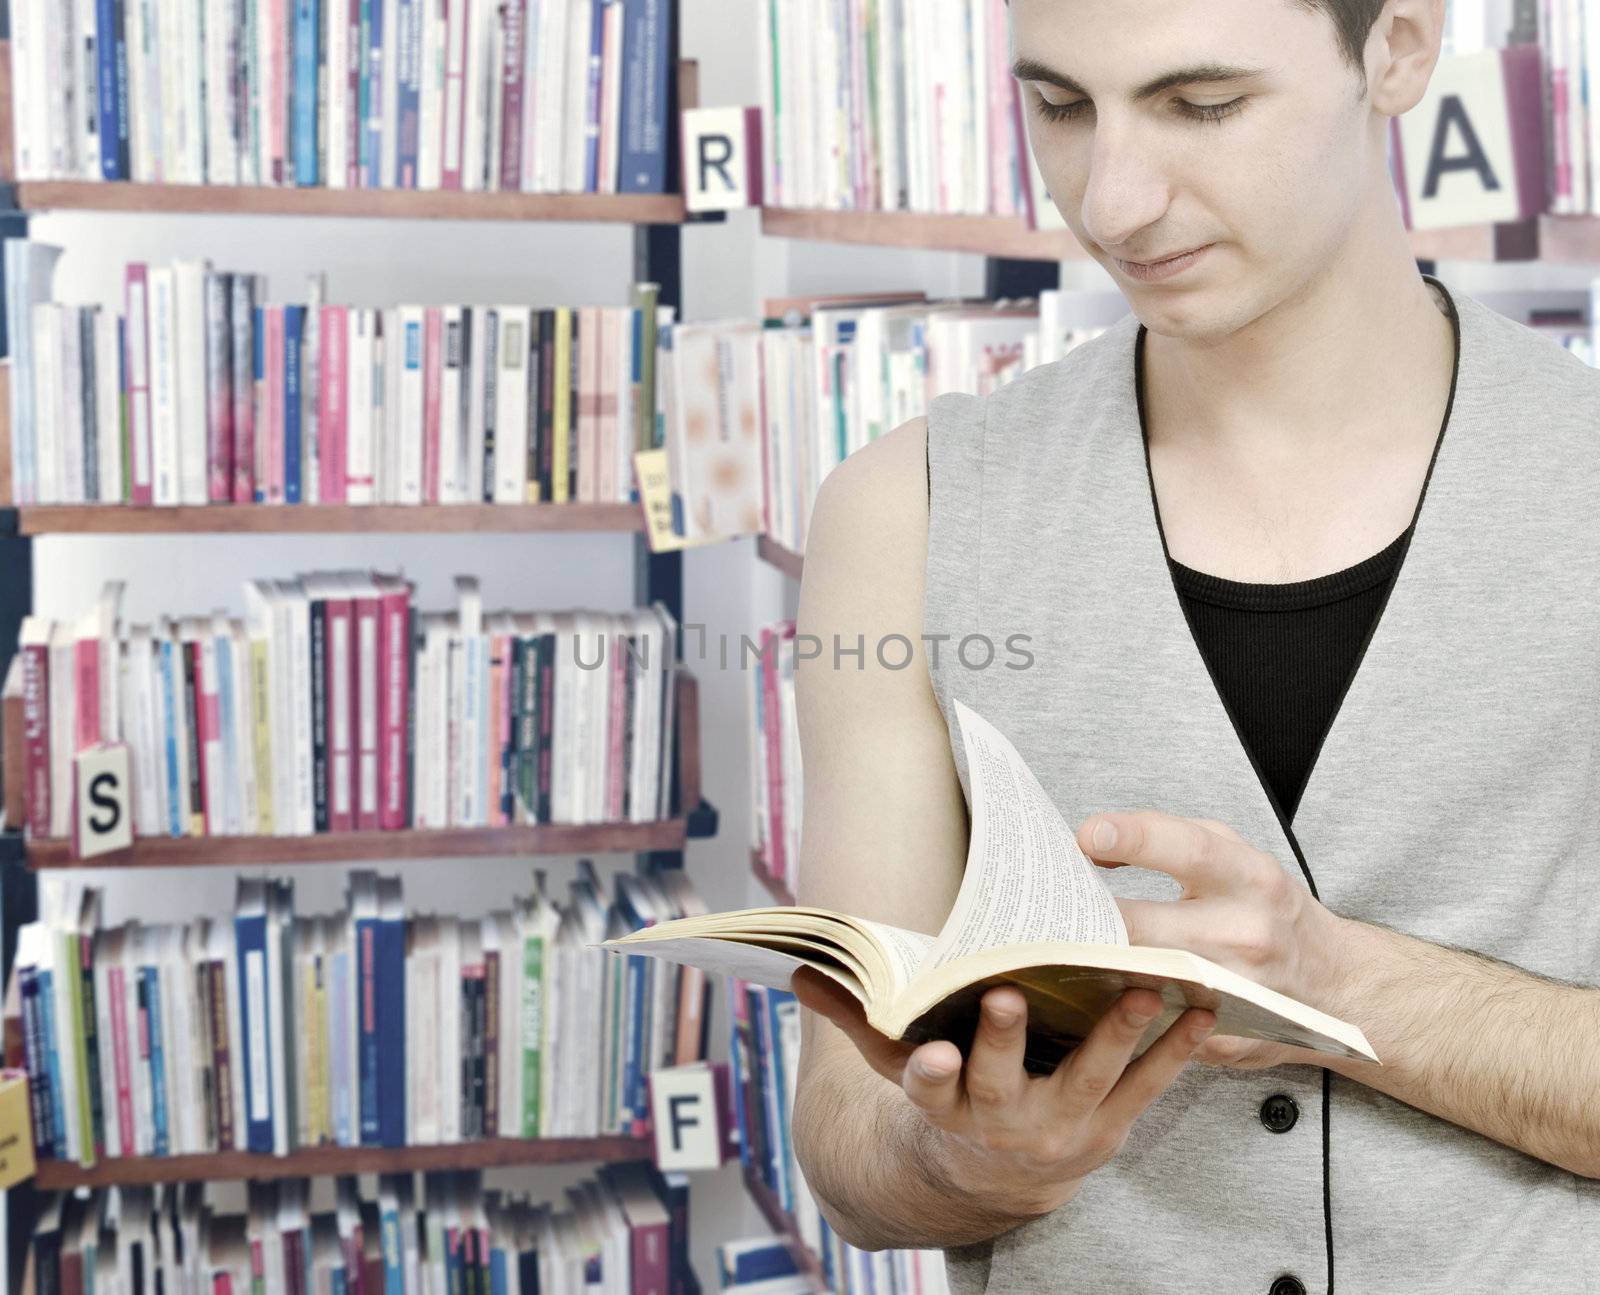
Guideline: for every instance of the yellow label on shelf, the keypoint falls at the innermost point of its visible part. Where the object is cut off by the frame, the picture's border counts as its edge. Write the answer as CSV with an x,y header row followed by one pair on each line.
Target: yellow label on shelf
x,y
655,497
16,1129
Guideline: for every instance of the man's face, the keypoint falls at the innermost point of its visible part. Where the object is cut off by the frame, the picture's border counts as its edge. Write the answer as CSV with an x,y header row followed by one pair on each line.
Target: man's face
x,y
1270,167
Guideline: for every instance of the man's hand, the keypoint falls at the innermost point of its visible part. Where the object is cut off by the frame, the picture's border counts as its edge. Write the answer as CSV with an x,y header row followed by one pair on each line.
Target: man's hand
x,y
1239,908
1027,1140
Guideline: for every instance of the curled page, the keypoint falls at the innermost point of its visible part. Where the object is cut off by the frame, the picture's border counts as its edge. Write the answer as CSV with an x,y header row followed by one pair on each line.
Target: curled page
x,y
1026,878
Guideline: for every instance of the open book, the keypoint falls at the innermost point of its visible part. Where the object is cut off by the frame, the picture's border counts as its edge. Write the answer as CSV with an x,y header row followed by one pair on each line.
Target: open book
x,y
1032,911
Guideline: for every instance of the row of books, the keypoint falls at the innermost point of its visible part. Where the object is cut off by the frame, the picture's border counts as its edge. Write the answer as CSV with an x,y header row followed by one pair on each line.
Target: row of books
x,y
902,105
271,1031
776,783
764,1051
839,372
334,705
625,1230
1570,48
540,96
202,391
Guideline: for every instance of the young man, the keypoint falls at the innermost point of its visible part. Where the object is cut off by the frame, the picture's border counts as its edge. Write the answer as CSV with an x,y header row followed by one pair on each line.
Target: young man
x,y
1304,557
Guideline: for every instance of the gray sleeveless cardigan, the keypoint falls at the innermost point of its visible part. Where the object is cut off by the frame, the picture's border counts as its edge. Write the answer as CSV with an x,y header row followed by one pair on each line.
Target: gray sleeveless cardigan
x,y
1455,797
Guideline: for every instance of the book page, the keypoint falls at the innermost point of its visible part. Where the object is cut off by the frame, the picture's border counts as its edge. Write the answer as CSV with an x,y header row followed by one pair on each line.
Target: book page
x,y
1026,879
906,950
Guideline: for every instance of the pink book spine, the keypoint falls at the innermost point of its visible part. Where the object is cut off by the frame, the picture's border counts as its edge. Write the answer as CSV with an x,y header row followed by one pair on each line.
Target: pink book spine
x,y
513,14
650,1275
244,404
340,693
208,716
452,136
432,368
119,1059
606,400
764,437
395,662
616,715
272,434
368,685
86,661
219,393
352,92
274,107
491,739
587,346
771,645
333,340
1001,87
137,345
36,735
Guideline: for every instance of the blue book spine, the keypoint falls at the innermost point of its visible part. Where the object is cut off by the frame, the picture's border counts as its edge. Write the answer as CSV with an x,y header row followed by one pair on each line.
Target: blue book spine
x,y
294,319
642,155
740,1067
230,730
591,124
169,731
780,1143
362,38
391,1011
394,1276
47,1015
367,1029
336,1284
150,978
41,1102
307,22
111,59
760,1265
498,1284
250,941
409,99
258,374
372,91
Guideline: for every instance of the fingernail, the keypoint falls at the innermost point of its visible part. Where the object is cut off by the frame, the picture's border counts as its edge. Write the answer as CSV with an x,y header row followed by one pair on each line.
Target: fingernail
x,y
1105,836
1140,1017
1198,1032
932,1070
1002,1016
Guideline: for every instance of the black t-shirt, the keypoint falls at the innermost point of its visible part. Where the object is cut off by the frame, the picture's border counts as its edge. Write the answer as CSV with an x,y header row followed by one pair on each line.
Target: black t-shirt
x,y
1283,654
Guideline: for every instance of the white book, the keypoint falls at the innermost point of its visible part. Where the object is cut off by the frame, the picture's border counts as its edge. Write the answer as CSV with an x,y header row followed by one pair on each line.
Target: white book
x,y
74,476
450,1087
26,93
191,101
164,393
244,726
530,94
104,945
431,34
574,113
605,652
279,915
86,90
221,36
550,93
298,609
138,1069
452,426
390,96
364,409
434,759
453,100
408,428
29,270
178,994
364,740
563,720
511,407
472,655
481,86
46,345
136,694
266,622
580,713
390,427
497,54
108,407
336,124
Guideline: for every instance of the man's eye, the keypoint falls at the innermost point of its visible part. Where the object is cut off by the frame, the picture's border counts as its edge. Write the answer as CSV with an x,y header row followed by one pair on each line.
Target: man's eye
x,y
1070,109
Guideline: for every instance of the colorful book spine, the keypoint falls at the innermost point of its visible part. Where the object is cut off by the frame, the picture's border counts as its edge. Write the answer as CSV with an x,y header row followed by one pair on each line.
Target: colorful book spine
x,y
513,17
246,338
409,71
335,341
250,946
373,73
642,161
135,293
307,39
111,54
219,387
294,318
394,663
36,735
367,1059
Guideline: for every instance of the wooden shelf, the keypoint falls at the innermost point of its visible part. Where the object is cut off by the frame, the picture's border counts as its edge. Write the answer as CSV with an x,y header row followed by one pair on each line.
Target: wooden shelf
x,y
357,847
789,562
777,889
324,519
1558,239
60,1175
387,204
781,1222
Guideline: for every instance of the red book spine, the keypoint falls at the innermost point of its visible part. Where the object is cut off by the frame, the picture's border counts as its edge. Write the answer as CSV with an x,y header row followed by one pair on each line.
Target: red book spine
x,y
395,663
341,714
221,1057
244,395
271,435
137,359
432,370
368,689
771,645
651,1271
120,1058
452,135
512,16
491,739
333,341
219,388
208,719
86,659
616,757
36,735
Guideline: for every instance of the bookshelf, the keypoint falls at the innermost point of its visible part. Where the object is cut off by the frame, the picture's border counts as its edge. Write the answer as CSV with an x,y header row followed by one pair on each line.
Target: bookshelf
x,y
58,1175
781,1222
656,221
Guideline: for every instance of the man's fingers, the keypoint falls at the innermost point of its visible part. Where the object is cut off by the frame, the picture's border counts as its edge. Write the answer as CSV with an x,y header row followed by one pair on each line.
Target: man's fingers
x,y
1086,1077
994,1067
825,997
1147,1078
931,1078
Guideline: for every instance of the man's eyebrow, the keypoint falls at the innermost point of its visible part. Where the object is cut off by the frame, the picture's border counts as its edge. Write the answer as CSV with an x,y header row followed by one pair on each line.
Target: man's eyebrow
x,y
1027,69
